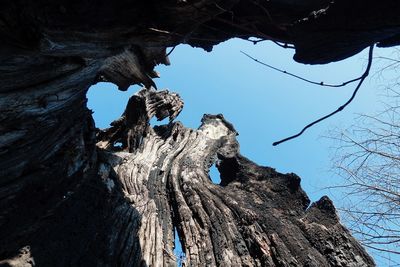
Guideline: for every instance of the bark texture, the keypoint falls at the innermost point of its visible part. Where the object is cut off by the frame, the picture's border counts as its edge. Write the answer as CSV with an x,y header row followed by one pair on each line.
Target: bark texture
x,y
255,217
65,201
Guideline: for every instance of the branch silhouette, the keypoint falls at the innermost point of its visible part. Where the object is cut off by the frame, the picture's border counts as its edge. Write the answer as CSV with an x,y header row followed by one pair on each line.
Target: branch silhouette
x,y
362,78
299,77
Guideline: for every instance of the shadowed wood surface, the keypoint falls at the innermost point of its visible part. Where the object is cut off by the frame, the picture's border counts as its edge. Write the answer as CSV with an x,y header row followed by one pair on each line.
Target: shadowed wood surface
x,y
65,201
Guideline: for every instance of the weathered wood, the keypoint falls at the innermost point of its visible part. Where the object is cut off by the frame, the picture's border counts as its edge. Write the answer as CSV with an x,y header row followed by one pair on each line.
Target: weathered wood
x,y
256,217
66,202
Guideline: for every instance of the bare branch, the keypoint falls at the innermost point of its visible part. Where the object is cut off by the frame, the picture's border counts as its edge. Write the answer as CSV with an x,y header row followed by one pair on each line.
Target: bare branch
x,y
368,159
298,76
362,78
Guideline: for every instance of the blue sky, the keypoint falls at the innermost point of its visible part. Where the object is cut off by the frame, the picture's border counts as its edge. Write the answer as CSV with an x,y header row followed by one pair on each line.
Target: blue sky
x,y
264,106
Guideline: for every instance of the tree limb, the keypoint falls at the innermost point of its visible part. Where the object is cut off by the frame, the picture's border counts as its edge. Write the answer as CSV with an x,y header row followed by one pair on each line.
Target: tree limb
x,y
362,78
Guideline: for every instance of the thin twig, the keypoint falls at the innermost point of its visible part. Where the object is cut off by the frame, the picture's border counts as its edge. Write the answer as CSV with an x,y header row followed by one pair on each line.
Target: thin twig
x,y
284,45
362,78
170,52
299,77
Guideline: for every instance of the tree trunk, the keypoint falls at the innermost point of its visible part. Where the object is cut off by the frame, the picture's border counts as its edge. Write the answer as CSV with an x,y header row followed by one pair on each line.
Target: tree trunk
x,y
73,195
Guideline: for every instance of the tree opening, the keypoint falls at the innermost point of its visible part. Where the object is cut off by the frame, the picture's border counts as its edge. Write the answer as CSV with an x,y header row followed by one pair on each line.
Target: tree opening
x,y
155,122
178,251
107,102
214,174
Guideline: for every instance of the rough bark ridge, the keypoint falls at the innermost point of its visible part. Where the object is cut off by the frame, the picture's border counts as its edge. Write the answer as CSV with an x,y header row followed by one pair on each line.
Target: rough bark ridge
x,y
64,202
255,217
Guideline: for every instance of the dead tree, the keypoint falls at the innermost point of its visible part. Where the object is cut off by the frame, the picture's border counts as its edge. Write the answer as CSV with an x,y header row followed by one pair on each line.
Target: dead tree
x,y
72,195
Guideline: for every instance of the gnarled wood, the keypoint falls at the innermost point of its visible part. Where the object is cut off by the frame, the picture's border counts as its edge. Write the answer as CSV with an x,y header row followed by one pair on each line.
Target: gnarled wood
x,y
256,217
66,202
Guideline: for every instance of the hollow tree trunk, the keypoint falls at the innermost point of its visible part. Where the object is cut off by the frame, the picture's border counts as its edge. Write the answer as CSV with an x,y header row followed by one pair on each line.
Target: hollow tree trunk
x,y
70,195
255,217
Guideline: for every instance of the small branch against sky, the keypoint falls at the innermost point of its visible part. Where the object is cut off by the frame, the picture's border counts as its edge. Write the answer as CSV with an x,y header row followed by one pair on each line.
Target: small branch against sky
x,y
170,52
298,76
367,159
361,80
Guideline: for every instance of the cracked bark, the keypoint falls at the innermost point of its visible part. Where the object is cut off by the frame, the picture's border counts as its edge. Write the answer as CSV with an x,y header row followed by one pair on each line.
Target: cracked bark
x,y
255,217
70,195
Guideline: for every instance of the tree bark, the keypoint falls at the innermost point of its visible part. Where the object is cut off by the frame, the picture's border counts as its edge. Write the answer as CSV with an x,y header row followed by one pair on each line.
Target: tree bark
x,y
73,195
